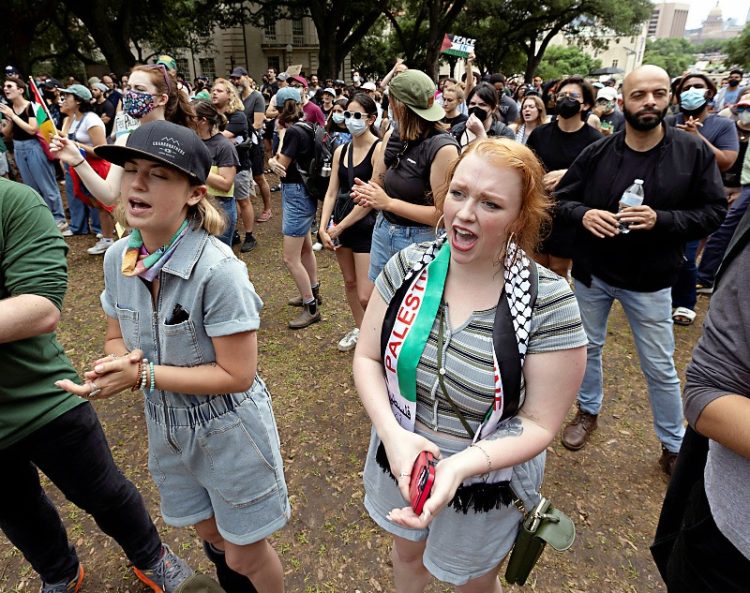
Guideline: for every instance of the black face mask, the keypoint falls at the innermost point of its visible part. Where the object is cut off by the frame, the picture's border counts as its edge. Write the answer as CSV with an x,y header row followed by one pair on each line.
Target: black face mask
x,y
478,112
568,107
734,82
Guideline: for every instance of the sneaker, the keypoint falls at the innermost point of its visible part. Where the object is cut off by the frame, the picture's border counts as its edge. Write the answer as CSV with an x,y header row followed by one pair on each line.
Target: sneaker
x,y
349,341
99,236
62,224
576,433
305,318
67,233
317,246
264,216
101,246
704,289
276,188
249,244
167,574
236,240
667,460
72,586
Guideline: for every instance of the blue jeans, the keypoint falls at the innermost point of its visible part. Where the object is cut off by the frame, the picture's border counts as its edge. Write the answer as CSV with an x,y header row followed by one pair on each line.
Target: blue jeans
x,y
80,213
39,173
229,207
298,210
650,318
718,242
388,239
683,291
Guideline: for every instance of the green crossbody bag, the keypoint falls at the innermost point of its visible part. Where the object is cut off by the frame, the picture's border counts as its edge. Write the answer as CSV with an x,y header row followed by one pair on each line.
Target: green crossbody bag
x,y
543,525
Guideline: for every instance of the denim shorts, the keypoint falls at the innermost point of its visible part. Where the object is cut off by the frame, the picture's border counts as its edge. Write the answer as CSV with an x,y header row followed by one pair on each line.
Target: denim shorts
x,y
459,547
388,239
243,185
297,210
220,459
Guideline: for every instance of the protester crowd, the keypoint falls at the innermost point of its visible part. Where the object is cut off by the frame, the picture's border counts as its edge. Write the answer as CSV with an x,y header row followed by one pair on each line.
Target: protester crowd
x,y
483,229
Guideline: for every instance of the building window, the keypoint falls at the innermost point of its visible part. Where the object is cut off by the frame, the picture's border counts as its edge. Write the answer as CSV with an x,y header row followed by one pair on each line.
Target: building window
x,y
275,63
270,30
614,63
183,67
298,31
208,68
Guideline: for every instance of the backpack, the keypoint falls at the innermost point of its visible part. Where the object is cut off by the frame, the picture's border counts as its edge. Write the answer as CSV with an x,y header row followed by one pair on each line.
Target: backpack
x,y
314,178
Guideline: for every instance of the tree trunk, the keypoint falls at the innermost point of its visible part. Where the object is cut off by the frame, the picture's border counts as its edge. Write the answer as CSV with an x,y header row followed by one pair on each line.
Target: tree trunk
x,y
328,61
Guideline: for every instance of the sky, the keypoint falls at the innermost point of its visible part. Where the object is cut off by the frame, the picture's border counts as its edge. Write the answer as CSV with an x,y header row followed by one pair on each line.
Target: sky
x,y
699,10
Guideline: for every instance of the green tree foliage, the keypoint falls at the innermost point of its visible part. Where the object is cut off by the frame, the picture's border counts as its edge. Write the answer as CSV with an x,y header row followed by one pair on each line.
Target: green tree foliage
x,y
674,55
738,49
561,61
373,55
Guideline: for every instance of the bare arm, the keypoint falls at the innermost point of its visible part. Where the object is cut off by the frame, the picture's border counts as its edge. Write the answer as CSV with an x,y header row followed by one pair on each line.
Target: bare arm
x,y
223,180
25,316
726,420
30,127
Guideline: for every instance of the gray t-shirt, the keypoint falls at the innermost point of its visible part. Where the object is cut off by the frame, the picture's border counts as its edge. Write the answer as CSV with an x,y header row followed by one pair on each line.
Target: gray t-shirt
x,y
254,103
721,366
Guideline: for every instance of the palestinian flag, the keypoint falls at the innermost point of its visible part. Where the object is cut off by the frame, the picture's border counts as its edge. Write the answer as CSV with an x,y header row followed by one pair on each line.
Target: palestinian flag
x,y
457,45
47,127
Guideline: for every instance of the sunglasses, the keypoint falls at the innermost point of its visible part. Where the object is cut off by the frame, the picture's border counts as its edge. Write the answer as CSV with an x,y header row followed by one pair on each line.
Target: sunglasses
x,y
697,85
164,73
354,114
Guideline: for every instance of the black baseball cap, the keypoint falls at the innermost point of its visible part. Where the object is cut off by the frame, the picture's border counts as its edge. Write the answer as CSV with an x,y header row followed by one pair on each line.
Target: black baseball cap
x,y
238,72
163,142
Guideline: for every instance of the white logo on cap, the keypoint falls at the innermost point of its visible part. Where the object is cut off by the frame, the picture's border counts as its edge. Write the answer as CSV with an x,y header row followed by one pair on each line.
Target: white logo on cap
x,y
169,147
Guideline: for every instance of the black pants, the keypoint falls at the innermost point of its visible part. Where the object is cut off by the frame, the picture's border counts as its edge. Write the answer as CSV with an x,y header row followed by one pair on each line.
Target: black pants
x,y
702,559
73,452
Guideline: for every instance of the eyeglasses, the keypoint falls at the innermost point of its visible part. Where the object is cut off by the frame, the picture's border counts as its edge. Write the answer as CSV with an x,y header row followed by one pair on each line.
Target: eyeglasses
x,y
566,95
400,155
354,114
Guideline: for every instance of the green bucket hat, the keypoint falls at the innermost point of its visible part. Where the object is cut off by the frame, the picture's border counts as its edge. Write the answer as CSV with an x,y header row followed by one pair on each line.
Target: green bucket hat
x,y
416,90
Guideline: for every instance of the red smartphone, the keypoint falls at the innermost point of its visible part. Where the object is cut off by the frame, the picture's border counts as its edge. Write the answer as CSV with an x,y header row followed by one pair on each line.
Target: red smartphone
x,y
422,479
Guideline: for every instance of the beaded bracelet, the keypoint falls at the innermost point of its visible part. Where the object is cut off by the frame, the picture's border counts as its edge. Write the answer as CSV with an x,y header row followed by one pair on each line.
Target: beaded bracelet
x,y
137,377
144,375
152,382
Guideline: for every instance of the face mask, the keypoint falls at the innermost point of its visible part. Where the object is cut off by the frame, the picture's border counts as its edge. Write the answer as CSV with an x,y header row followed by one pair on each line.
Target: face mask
x,y
338,118
137,104
734,82
568,107
355,78
744,117
692,102
478,112
356,126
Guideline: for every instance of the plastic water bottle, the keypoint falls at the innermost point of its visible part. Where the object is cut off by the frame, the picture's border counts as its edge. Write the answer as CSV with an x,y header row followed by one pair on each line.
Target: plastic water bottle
x,y
633,196
335,240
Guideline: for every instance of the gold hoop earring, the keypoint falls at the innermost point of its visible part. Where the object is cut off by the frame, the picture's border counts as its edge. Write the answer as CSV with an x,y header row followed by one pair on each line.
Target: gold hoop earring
x,y
437,226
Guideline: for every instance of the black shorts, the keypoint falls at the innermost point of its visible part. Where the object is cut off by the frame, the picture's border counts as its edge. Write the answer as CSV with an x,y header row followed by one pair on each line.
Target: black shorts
x,y
268,129
358,238
256,159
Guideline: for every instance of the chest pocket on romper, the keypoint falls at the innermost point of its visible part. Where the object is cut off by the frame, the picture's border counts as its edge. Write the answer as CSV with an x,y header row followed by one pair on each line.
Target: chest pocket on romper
x,y
128,320
179,344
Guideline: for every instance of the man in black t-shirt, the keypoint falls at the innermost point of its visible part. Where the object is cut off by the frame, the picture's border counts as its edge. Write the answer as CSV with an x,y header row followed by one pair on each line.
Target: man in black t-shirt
x,y
634,255
102,107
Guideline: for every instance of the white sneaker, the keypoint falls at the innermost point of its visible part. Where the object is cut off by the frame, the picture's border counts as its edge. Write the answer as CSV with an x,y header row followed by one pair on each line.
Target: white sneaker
x,y
67,233
101,246
317,246
349,341
99,236
62,224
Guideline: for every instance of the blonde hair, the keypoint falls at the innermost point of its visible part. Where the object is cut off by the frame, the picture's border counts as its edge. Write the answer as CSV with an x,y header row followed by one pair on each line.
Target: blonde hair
x,y
235,103
541,117
536,205
456,90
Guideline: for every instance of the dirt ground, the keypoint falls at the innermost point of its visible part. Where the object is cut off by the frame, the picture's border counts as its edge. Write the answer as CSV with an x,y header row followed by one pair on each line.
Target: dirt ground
x,y
613,488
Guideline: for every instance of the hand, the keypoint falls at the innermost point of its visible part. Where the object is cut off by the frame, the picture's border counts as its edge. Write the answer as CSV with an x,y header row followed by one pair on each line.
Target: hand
x,y
601,223
66,150
606,130
325,239
471,57
552,178
110,376
399,61
732,195
6,110
639,218
691,125
402,449
448,477
277,167
370,195
475,126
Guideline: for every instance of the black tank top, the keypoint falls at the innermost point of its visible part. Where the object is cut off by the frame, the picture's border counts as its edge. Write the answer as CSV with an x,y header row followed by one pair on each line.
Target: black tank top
x,y
344,203
27,114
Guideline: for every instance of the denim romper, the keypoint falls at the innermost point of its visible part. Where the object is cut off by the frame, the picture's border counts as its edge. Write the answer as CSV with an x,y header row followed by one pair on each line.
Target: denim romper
x,y
210,456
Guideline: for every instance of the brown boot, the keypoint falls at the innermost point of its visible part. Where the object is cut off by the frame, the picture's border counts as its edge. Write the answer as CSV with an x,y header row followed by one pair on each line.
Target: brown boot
x,y
667,460
310,314
297,301
576,433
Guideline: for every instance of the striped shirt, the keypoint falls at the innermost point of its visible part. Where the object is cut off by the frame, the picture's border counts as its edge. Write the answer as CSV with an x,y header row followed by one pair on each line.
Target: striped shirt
x,y
467,350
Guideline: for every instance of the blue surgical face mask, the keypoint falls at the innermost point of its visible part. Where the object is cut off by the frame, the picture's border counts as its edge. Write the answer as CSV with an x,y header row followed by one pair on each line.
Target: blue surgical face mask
x,y
356,126
338,118
693,99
